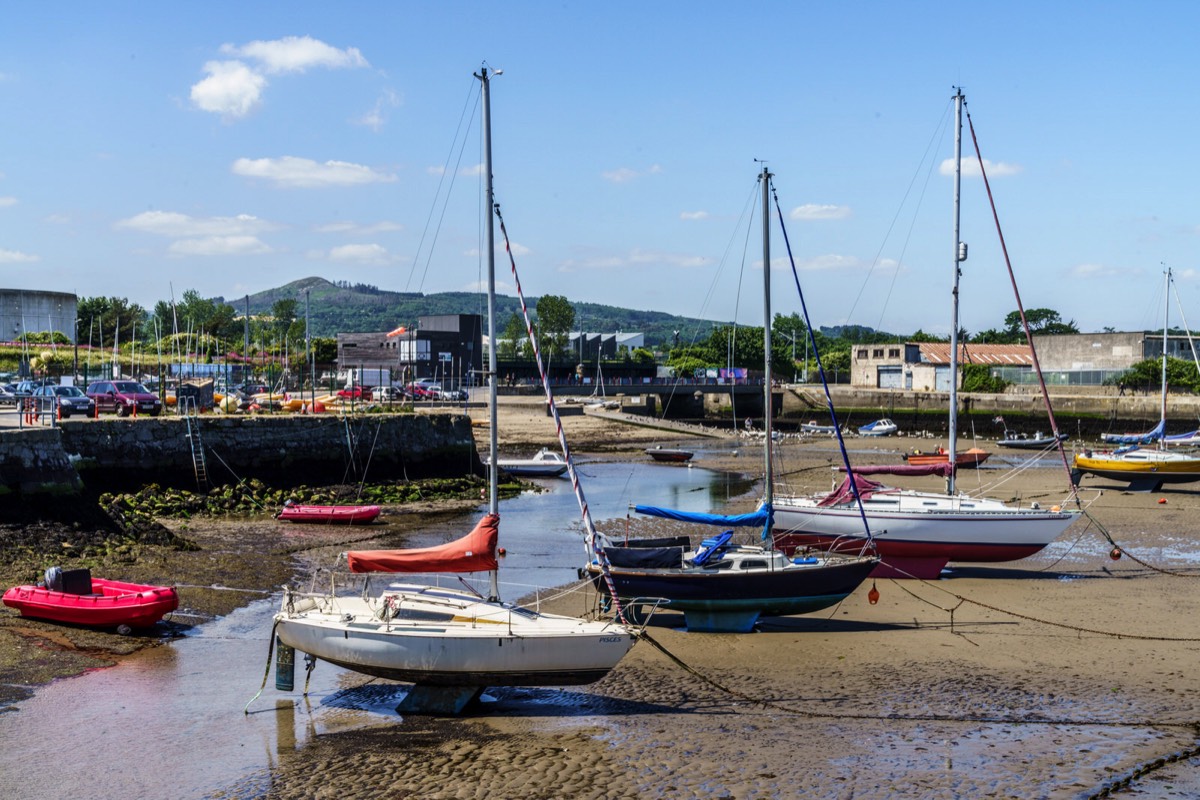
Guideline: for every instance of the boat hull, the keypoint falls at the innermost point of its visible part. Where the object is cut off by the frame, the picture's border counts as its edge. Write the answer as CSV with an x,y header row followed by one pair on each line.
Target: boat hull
x,y
968,459
329,515
1032,443
669,456
764,593
111,604
883,427
465,642
533,470
920,543
1144,469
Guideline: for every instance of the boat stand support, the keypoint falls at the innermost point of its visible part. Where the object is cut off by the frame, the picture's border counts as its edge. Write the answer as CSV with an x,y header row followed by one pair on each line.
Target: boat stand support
x,y
439,700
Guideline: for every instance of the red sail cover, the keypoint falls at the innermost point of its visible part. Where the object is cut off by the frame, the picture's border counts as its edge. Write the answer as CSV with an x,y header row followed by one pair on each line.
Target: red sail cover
x,y
845,494
475,552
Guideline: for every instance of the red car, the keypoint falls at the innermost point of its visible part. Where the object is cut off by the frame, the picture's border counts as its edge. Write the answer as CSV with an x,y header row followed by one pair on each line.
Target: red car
x,y
355,393
124,397
419,391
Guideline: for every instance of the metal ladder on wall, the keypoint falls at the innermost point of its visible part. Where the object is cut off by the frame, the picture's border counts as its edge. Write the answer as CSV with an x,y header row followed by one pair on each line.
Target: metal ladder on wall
x,y
191,412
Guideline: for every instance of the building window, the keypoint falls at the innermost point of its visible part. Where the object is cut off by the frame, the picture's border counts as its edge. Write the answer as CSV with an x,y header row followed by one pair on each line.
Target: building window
x,y
894,352
862,353
877,353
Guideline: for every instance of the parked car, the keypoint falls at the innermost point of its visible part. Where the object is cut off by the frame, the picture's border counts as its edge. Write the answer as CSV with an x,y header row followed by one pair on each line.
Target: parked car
x,y
70,400
355,393
124,397
457,395
26,387
387,394
8,394
419,391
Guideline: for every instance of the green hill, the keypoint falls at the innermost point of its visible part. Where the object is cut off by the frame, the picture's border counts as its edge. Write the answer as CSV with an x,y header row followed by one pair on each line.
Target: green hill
x,y
360,308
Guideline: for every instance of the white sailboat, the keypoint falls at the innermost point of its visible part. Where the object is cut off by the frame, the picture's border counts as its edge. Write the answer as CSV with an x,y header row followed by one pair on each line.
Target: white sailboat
x,y
917,533
723,587
451,644
1145,470
543,464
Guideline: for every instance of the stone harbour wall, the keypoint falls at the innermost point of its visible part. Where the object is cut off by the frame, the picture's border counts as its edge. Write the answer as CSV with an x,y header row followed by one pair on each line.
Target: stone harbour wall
x,y
120,454
32,461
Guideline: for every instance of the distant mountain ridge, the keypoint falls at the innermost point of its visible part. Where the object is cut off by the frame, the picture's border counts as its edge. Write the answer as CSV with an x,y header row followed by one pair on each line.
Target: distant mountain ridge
x,y
361,308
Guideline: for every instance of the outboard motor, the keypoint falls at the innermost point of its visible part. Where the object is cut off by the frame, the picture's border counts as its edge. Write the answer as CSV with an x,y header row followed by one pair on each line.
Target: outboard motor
x,y
54,579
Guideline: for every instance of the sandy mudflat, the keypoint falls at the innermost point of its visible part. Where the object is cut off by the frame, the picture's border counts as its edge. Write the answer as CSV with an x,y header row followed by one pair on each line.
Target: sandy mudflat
x,y
1055,676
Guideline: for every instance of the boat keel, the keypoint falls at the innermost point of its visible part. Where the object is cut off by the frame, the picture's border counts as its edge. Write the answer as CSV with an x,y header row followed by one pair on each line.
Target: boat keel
x,y
721,621
925,569
444,701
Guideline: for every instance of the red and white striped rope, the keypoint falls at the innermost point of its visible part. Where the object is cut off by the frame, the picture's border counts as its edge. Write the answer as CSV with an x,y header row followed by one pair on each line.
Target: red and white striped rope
x,y
591,541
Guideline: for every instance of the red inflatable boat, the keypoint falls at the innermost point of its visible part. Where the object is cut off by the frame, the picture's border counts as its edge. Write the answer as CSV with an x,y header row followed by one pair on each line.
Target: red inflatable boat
x,y
75,596
329,515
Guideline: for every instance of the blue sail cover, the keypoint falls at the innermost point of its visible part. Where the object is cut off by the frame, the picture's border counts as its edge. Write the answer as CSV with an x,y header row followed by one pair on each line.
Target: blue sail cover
x,y
761,518
1148,437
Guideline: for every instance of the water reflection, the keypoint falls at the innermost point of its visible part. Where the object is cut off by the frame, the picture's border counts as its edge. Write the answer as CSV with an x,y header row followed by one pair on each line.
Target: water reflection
x,y
168,722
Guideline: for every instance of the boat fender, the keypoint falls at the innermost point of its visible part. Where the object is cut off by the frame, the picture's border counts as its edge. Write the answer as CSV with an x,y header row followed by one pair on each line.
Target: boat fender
x,y
54,579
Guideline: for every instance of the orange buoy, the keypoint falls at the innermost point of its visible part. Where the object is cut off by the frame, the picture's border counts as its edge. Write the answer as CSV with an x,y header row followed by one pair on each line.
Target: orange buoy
x,y
873,595
1162,501
318,407
502,552
1115,554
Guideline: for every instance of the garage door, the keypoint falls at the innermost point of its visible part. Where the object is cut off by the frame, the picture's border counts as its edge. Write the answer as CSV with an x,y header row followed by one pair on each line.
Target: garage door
x,y
891,377
942,379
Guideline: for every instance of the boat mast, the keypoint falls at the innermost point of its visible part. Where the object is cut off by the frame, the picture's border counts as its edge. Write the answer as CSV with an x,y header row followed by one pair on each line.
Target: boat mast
x,y
768,476
489,238
959,256
1162,436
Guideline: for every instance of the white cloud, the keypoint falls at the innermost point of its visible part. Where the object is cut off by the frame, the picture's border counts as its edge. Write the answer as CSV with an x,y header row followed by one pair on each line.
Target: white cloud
x,y
231,89
518,250
360,253
15,257
626,174
234,89
375,118
829,262
353,228
170,223
502,287
219,246
296,54
689,215
305,173
970,168
1094,271
810,211
5,202
635,258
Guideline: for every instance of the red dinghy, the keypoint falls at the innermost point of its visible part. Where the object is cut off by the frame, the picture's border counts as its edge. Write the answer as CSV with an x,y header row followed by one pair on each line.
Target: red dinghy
x,y
75,596
329,515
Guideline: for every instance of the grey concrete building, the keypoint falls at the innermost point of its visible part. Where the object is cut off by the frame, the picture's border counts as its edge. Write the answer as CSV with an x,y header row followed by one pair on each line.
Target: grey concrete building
x,y
32,311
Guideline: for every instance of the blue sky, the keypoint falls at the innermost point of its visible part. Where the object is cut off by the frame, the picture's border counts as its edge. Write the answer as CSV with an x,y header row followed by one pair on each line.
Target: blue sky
x,y
233,147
